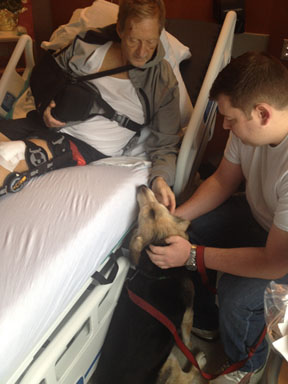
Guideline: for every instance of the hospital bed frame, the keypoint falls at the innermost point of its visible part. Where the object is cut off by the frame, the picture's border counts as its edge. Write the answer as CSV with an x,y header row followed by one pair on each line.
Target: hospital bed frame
x,y
68,352
201,126
13,84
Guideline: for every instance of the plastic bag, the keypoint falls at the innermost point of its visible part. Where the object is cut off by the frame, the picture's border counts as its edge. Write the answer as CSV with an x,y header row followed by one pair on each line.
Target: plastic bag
x,y
276,316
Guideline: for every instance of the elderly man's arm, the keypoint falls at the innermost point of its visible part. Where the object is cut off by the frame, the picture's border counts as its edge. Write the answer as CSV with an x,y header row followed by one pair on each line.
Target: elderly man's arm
x,y
162,146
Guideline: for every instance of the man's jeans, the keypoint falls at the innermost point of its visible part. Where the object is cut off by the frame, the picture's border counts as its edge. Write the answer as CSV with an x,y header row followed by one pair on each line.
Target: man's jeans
x,y
241,300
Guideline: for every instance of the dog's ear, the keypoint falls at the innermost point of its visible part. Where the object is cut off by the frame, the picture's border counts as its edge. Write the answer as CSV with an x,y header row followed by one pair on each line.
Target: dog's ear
x,y
136,246
182,223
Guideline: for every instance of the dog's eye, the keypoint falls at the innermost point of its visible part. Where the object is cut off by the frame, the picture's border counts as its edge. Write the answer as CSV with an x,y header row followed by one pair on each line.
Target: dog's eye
x,y
152,214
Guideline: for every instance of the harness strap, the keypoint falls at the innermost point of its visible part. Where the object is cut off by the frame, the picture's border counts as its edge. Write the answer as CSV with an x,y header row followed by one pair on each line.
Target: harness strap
x,y
96,75
154,312
122,120
110,112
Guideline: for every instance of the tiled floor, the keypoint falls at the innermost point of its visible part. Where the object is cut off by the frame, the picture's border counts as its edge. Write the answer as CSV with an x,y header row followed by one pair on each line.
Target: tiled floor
x,y
213,351
283,378
216,357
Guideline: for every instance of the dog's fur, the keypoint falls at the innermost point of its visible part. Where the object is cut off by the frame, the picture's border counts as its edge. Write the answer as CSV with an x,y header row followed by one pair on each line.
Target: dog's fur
x,y
138,348
155,223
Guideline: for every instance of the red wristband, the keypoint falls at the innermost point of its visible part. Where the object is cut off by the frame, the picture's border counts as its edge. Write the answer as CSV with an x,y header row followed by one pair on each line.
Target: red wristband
x,y
202,269
200,263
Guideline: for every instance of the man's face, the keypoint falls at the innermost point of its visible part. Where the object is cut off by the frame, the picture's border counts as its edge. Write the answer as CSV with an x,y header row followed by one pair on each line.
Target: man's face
x,y
249,131
139,40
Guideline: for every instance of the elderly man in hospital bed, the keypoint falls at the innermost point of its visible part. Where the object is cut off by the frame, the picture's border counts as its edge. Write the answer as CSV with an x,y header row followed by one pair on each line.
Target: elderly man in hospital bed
x,y
146,95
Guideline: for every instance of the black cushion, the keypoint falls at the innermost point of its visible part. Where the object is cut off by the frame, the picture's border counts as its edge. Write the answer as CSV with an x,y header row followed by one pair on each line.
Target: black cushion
x,y
201,38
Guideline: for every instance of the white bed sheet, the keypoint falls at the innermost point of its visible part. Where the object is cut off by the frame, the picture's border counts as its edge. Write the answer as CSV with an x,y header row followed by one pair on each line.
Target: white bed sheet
x,y
53,236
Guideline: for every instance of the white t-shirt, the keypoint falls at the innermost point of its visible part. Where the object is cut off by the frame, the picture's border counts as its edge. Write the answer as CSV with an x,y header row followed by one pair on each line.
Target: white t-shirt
x,y
105,135
266,172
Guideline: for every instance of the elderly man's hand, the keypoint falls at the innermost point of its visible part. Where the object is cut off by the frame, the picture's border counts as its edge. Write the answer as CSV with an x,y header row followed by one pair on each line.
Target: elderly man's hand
x,y
49,120
164,194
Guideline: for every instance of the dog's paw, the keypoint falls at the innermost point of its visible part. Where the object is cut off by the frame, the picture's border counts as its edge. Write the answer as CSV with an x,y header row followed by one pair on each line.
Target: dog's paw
x,y
201,359
194,375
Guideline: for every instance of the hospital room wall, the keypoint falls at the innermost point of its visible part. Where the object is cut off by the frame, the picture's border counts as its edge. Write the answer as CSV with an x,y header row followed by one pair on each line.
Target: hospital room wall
x,y
49,14
262,16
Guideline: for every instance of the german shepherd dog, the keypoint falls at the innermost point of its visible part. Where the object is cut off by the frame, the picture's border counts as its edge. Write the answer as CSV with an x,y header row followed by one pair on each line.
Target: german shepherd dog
x,y
137,348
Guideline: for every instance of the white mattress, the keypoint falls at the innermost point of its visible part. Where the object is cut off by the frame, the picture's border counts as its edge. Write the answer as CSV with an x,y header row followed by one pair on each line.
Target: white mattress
x,y
53,236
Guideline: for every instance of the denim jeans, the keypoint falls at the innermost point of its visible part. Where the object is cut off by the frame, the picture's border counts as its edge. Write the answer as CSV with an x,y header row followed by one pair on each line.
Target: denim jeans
x,y
240,316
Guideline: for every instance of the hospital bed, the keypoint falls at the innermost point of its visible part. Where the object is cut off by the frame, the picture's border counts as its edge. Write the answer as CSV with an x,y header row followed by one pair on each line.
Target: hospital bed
x,y
62,260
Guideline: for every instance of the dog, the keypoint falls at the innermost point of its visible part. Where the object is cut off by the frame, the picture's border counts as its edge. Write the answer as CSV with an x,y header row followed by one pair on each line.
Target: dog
x,y
138,348
155,223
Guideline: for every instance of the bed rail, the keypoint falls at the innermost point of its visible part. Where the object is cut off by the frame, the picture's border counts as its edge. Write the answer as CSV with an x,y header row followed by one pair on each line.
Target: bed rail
x,y
12,83
70,353
202,122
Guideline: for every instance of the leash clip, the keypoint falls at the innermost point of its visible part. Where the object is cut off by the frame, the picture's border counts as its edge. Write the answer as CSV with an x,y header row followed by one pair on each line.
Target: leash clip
x,y
131,278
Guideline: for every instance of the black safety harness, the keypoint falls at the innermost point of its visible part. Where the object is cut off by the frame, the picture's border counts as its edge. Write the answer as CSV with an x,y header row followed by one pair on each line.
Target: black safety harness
x,y
76,98
109,111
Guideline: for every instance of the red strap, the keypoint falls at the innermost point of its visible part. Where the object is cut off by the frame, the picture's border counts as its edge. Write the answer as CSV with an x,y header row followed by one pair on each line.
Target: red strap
x,y
202,269
154,312
76,155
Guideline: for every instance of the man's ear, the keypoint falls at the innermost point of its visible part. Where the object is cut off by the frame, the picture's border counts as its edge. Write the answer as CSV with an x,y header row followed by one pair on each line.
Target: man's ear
x,y
263,112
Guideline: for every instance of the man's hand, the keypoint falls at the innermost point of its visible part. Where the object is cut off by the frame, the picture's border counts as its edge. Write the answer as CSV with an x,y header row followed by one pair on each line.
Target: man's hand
x,y
164,194
49,120
175,254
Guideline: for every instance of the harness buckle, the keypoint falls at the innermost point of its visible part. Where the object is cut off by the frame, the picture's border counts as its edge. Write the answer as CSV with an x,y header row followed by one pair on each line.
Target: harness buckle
x,y
122,120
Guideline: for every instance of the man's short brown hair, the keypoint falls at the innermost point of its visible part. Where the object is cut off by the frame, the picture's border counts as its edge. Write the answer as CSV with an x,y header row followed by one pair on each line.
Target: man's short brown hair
x,y
253,78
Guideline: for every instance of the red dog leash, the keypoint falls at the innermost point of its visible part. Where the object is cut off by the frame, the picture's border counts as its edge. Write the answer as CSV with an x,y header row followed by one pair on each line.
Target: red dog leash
x,y
154,312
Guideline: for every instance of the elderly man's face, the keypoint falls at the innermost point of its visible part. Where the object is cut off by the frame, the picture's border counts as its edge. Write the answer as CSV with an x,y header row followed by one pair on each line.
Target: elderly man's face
x,y
139,40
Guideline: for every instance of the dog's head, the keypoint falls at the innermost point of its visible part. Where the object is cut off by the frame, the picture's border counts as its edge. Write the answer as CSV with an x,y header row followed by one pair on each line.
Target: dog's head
x,y
155,224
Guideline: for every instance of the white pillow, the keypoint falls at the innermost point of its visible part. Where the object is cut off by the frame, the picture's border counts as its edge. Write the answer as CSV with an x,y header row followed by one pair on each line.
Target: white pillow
x,y
175,53
102,13
99,14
